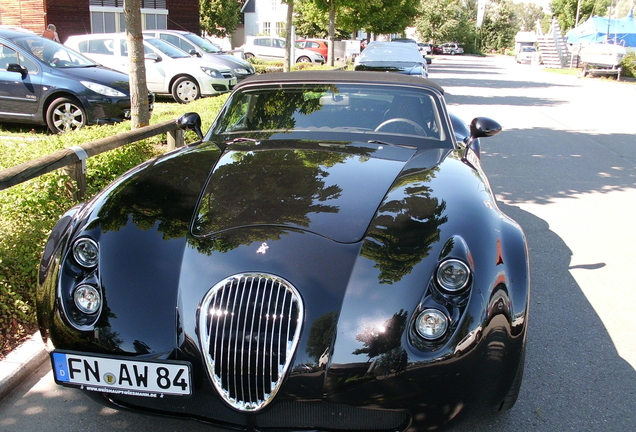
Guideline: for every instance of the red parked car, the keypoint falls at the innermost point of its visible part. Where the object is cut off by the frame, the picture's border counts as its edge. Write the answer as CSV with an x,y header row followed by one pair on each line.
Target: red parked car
x,y
318,45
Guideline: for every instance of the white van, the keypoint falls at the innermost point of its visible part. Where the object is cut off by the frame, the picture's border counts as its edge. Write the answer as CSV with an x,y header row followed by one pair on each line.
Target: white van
x,y
169,70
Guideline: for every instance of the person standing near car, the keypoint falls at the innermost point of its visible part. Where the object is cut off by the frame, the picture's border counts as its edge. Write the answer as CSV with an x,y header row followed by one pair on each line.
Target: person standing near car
x,y
51,33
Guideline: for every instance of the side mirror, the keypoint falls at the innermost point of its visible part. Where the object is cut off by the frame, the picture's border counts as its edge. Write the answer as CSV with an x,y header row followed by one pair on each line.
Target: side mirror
x,y
194,53
481,127
152,56
191,121
14,67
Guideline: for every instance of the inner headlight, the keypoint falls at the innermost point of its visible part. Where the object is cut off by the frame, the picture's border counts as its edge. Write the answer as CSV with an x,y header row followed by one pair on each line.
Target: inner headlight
x,y
211,72
431,324
87,299
102,89
86,252
453,275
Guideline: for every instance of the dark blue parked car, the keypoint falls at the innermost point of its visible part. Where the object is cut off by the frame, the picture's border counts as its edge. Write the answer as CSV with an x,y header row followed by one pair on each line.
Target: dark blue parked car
x,y
43,82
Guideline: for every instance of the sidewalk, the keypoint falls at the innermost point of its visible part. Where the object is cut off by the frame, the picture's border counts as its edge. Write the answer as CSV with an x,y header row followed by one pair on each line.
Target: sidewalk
x,y
21,362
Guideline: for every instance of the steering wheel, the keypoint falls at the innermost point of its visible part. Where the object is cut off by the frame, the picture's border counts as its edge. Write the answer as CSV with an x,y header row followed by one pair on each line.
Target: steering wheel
x,y
418,129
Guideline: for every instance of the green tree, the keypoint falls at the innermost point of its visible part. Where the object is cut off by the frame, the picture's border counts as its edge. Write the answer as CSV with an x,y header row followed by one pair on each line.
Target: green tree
x,y
446,20
220,17
496,31
527,15
565,11
379,16
311,20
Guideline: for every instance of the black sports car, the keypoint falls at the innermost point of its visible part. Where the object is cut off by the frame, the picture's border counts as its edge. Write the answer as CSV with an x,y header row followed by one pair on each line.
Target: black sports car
x,y
329,257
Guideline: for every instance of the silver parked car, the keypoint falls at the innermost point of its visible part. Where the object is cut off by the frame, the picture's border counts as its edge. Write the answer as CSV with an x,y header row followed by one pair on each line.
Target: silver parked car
x,y
195,45
452,48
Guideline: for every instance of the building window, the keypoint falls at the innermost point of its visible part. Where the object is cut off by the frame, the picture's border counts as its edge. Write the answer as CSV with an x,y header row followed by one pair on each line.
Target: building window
x,y
145,4
107,22
267,27
280,28
155,21
110,19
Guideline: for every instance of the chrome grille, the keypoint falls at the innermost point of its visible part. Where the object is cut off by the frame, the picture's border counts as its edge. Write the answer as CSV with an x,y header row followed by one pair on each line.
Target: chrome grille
x,y
249,326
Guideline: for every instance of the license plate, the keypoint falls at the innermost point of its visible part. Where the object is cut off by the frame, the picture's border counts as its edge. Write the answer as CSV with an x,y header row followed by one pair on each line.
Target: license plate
x,y
121,375
233,81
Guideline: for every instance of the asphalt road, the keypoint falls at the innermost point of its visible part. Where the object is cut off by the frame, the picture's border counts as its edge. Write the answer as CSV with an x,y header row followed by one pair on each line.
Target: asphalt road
x,y
564,168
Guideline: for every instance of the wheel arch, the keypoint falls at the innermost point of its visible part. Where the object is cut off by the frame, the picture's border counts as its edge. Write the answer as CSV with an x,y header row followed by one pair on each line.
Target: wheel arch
x,y
56,95
179,76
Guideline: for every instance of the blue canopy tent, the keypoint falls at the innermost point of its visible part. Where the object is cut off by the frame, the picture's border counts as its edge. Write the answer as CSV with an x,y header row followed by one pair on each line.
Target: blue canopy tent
x,y
621,31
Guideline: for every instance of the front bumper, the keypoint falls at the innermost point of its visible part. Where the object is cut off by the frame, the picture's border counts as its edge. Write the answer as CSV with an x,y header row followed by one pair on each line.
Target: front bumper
x,y
213,86
104,110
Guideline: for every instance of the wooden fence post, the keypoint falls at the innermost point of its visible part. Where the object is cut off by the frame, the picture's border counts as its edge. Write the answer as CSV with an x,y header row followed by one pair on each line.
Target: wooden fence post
x,y
77,173
175,138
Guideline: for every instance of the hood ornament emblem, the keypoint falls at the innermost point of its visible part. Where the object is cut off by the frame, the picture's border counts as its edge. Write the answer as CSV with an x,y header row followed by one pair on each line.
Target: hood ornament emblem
x,y
263,249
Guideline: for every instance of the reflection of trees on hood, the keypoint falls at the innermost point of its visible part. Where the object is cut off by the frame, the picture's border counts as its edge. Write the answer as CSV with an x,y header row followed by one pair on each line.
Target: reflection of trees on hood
x,y
163,194
267,188
108,338
404,230
383,344
320,335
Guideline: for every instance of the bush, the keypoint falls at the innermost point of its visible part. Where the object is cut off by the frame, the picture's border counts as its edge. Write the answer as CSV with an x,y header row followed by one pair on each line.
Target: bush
x,y
31,209
264,66
629,64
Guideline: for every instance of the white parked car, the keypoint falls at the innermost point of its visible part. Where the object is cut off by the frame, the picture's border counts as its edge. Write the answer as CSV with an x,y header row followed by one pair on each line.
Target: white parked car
x,y
194,44
425,48
273,48
169,70
526,54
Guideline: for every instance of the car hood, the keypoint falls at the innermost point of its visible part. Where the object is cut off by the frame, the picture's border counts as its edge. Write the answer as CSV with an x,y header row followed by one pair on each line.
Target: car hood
x,y
232,59
330,189
98,74
193,64
172,228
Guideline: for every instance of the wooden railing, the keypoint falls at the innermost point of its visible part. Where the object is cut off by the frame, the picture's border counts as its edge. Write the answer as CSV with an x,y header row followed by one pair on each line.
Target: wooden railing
x,y
73,159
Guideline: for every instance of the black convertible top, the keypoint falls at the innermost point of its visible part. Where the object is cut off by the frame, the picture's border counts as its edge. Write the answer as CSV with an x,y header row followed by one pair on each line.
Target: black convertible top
x,y
339,76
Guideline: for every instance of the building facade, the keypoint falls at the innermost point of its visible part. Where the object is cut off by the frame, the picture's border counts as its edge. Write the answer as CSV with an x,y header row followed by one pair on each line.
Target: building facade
x,y
265,17
97,16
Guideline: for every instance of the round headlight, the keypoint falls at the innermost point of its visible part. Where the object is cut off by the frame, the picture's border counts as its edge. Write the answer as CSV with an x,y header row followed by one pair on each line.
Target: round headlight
x,y
453,275
86,252
431,324
87,299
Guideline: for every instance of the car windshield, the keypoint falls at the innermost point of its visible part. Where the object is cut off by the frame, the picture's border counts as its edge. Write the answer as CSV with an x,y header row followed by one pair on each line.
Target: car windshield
x,y
53,53
391,52
166,48
205,45
320,109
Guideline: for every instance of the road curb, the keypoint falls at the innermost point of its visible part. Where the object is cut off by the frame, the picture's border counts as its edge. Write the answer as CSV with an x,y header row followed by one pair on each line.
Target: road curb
x,y
20,363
